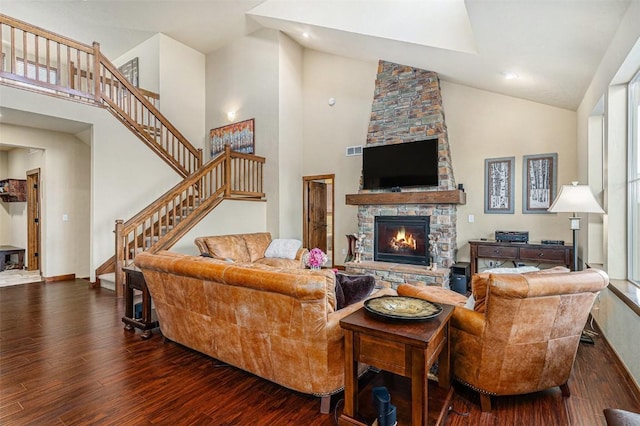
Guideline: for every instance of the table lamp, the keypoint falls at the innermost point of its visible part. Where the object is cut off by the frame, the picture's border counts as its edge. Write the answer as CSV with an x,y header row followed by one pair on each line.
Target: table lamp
x,y
575,198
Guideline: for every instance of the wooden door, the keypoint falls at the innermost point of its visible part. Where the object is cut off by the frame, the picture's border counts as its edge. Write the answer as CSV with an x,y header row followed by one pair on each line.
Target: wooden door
x,y
317,217
33,220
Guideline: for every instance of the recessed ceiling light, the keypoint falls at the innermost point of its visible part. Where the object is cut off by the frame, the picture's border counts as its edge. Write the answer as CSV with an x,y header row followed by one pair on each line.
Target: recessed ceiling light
x,y
305,35
510,75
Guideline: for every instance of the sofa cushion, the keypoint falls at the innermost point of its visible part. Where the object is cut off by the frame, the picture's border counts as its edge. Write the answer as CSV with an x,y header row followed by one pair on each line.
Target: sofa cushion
x,y
352,288
280,263
228,247
256,244
283,248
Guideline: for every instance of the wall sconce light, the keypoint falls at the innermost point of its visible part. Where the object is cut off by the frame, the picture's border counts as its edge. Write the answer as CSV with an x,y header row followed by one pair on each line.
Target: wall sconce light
x,y
231,115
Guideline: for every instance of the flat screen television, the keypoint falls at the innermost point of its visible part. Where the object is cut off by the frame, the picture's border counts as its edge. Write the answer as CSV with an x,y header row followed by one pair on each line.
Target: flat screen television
x,y
400,165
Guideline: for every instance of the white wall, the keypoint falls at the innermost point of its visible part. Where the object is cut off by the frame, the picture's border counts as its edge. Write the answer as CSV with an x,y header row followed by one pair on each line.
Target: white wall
x,y
148,54
177,73
328,130
488,125
182,94
125,177
290,148
243,77
64,188
619,323
621,327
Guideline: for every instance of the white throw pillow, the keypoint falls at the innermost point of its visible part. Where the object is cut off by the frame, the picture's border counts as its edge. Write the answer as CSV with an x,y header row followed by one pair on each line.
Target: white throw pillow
x,y
283,248
518,270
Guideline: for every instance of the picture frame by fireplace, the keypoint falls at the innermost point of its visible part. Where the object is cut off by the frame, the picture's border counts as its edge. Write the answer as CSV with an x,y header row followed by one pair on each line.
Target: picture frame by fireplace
x,y
539,181
499,185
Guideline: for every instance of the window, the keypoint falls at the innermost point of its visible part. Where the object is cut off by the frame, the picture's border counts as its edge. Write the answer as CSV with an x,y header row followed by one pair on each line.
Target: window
x,y
633,181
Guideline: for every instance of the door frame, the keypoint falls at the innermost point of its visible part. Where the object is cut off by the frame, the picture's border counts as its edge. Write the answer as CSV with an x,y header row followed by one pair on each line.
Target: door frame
x,y
328,178
34,221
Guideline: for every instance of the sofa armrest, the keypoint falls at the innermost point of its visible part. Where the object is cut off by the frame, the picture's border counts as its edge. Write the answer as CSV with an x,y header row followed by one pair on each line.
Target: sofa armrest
x,y
301,252
468,321
336,316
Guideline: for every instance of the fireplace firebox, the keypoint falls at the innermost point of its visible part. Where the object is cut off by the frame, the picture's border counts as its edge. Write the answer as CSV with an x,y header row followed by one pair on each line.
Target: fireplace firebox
x,y
401,239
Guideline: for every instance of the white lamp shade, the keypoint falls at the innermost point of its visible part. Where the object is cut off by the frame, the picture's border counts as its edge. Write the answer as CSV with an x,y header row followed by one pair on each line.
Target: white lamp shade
x,y
575,198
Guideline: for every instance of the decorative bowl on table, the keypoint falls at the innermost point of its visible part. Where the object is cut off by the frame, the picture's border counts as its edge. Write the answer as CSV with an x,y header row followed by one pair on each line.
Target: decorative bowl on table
x,y
402,308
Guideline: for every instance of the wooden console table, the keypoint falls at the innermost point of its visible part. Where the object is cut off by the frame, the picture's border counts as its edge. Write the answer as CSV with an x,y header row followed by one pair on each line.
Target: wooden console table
x,y
407,349
531,252
135,281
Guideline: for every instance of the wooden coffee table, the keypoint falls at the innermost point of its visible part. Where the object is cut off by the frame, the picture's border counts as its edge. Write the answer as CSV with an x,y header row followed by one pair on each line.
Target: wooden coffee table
x,y
405,348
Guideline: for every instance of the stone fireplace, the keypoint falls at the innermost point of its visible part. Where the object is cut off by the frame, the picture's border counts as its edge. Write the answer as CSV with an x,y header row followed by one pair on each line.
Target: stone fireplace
x,y
407,107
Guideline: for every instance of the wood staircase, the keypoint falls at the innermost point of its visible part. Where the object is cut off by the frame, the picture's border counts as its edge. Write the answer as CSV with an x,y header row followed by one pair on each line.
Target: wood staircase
x,y
38,60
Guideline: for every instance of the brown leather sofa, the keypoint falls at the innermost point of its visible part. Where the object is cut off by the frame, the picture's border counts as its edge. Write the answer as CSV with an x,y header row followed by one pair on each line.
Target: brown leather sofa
x,y
277,323
246,248
522,334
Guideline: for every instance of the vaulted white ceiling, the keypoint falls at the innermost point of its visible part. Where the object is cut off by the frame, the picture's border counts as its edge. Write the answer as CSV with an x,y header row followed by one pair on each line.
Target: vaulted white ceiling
x,y
554,46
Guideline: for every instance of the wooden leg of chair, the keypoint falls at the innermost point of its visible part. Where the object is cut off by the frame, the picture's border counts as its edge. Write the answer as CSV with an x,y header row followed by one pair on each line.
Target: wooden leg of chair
x,y
325,404
565,390
485,403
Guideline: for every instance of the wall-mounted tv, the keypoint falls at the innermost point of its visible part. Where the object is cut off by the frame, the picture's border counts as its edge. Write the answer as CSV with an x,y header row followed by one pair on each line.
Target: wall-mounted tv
x,y
400,165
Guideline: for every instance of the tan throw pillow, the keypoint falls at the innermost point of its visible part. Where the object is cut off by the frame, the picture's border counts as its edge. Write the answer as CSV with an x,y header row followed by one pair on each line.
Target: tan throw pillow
x,y
228,247
256,243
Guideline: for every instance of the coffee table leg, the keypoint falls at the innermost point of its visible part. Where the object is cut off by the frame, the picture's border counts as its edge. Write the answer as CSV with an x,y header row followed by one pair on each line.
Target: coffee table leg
x,y
419,388
444,362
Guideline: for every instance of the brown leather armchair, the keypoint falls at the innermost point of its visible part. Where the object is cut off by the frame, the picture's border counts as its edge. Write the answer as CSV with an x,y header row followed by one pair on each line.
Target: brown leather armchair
x,y
524,335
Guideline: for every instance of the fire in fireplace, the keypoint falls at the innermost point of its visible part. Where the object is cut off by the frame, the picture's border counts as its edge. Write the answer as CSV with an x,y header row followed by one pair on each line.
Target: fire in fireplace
x,y
401,239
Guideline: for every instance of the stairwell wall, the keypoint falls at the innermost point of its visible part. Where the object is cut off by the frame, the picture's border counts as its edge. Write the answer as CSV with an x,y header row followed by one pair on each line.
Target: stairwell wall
x,y
64,166
125,177
177,73
243,77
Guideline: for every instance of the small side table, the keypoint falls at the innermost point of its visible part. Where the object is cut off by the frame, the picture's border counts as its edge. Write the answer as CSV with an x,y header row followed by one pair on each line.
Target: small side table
x,y
407,349
134,280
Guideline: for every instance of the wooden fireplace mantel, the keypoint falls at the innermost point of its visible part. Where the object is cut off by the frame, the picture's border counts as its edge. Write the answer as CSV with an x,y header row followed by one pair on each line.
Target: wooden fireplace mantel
x,y
455,196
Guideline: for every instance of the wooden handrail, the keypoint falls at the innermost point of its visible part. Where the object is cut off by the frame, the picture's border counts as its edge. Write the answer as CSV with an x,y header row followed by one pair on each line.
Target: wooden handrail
x,y
163,222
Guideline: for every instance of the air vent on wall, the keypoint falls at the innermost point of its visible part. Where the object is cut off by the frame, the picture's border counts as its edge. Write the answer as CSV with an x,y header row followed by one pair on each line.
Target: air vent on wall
x,y
354,150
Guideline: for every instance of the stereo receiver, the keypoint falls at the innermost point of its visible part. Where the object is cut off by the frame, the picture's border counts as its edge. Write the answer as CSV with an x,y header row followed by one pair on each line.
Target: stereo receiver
x,y
512,236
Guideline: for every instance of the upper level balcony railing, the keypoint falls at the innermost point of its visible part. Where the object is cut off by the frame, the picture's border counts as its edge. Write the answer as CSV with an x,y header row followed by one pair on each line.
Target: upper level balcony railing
x,y
35,59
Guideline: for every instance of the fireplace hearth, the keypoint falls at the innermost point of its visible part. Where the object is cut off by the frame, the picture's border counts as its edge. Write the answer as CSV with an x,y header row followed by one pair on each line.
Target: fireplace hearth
x,y
401,239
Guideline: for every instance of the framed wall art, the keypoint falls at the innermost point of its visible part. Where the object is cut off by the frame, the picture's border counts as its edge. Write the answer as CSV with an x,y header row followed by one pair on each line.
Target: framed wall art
x,y
240,136
498,185
130,71
539,182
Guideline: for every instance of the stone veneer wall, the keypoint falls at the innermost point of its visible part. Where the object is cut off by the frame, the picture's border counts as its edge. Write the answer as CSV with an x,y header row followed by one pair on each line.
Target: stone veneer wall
x,y
407,107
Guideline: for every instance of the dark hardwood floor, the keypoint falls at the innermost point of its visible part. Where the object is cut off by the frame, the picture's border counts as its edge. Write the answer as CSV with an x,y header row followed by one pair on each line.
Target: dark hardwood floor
x,y
65,359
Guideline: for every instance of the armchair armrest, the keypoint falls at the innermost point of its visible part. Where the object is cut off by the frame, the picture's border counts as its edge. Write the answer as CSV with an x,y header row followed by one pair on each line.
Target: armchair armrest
x,y
469,321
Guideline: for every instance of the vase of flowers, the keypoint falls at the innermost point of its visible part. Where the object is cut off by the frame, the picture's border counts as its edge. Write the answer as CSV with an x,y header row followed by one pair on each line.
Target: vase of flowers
x,y
315,258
